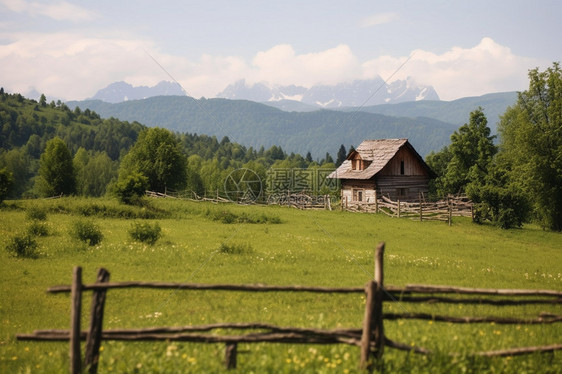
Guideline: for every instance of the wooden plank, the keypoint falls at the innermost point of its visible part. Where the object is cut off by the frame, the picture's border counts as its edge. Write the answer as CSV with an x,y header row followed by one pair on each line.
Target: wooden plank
x,y
421,288
75,308
378,303
466,319
216,287
93,340
368,321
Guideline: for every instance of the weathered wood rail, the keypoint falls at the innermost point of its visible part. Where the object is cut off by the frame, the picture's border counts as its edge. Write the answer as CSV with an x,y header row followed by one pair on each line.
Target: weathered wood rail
x,y
442,210
300,200
370,339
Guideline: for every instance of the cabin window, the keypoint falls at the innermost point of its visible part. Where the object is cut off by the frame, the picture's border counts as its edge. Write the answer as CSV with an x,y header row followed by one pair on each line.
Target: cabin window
x,y
402,167
354,164
358,194
401,192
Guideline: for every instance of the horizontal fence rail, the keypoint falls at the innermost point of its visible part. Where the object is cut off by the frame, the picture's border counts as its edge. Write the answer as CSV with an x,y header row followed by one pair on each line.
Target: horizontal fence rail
x,y
370,338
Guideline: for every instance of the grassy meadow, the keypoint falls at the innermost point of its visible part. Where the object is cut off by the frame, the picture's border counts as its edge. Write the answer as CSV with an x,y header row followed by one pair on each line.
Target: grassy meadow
x,y
208,243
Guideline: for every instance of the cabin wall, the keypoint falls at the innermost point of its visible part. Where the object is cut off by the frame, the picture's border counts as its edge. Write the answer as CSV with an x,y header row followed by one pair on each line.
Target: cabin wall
x,y
403,187
350,189
412,165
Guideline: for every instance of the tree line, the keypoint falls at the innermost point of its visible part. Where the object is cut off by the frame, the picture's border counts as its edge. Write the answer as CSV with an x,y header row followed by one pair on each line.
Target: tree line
x,y
49,149
518,177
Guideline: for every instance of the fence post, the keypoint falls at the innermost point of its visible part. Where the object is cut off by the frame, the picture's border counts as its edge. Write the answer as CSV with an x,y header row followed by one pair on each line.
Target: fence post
x,y
368,320
379,325
93,339
75,309
376,202
449,204
421,208
230,355
398,208
373,331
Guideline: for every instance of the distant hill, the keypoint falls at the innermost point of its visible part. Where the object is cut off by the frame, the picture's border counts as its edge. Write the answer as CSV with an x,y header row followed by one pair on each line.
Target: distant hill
x,y
456,112
256,125
333,96
121,91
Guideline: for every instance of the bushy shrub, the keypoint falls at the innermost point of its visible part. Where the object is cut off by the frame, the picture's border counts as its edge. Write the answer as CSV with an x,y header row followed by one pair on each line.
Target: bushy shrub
x,y
35,213
130,189
236,248
145,232
22,245
228,217
36,228
87,232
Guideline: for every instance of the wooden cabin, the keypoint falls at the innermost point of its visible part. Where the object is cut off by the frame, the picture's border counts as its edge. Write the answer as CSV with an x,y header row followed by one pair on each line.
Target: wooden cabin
x,y
389,167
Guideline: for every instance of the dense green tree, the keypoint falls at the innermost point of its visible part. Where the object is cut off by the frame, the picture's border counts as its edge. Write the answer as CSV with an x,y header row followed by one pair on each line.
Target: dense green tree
x,y
56,171
498,200
531,144
438,161
43,101
194,181
81,159
99,172
342,155
157,155
471,150
18,162
6,183
131,188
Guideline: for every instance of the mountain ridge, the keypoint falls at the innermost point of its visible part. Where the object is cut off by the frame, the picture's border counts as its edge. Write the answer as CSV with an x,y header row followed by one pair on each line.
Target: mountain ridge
x,y
353,93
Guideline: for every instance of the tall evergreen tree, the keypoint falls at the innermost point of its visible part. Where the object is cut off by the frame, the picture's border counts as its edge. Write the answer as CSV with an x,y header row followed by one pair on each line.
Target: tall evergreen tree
x,y
341,156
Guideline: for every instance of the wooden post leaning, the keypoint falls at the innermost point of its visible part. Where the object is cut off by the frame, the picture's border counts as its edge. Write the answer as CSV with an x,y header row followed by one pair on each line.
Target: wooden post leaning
x,y
373,331
379,279
231,350
75,309
93,339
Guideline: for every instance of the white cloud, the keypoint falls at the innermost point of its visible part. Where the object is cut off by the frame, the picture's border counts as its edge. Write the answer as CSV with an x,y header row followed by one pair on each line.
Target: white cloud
x,y
281,65
459,72
378,19
59,10
70,66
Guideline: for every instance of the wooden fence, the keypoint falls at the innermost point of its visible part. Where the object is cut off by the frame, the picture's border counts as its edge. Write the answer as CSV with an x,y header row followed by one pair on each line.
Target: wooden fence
x,y
301,200
442,210
370,338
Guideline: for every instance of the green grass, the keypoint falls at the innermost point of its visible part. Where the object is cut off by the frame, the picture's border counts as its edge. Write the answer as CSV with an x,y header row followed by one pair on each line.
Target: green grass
x,y
278,246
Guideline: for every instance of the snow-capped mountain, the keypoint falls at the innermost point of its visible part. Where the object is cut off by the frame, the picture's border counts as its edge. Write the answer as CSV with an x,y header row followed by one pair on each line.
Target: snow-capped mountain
x,y
122,91
354,94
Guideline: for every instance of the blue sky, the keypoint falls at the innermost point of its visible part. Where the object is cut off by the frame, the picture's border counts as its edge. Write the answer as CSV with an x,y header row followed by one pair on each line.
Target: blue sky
x,y
71,49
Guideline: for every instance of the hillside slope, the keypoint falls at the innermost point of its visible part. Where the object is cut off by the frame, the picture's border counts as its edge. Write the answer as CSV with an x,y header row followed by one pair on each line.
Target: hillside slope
x,y
256,125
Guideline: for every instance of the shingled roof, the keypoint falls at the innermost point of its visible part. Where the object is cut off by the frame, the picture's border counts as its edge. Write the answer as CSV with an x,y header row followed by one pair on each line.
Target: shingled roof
x,y
379,152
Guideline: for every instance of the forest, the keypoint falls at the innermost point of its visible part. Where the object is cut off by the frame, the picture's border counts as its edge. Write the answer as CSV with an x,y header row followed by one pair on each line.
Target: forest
x,y
34,132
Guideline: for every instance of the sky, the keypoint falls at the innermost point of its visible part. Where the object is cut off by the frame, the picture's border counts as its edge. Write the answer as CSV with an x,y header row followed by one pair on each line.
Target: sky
x,y
69,50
